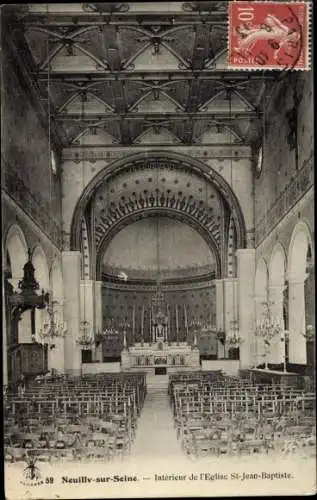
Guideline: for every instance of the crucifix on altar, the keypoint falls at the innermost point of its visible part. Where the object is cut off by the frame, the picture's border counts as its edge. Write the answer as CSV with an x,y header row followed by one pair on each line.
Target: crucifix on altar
x,y
159,320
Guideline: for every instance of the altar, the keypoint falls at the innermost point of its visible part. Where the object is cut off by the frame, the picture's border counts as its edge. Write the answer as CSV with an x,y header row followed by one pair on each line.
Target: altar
x,y
160,356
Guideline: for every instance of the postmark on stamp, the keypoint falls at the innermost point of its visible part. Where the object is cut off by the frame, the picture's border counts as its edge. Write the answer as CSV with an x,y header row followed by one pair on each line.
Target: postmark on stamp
x,y
268,35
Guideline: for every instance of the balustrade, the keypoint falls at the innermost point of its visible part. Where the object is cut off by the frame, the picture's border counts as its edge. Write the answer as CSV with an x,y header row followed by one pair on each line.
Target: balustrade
x,y
292,193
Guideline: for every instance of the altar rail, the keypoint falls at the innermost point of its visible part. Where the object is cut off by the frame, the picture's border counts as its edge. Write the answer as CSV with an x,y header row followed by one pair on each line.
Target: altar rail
x,y
227,366
92,368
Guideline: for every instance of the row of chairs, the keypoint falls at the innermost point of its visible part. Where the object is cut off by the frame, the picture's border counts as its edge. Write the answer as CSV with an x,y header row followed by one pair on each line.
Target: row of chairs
x,y
53,420
215,414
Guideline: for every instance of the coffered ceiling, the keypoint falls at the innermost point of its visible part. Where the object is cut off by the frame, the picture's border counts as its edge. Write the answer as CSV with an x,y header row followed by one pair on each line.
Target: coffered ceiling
x,y
137,73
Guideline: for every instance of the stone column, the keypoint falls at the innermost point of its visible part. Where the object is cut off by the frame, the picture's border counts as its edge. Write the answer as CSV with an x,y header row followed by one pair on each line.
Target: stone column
x,y
230,306
71,279
4,339
98,305
98,317
276,308
258,344
56,356
296,318
246,310
219,315
87,308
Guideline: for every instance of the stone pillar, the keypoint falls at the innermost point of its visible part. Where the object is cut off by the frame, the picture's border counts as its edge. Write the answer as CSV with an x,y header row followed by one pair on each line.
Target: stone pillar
x,y
56,356
98,317
87,303
98,305
258,344
219,316
71,278
277,347
4,339
296,319
230,306
246,309
87,308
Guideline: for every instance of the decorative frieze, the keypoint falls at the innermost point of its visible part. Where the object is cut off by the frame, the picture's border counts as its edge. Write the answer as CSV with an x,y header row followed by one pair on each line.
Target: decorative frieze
x,y
183,204
152,288
205,153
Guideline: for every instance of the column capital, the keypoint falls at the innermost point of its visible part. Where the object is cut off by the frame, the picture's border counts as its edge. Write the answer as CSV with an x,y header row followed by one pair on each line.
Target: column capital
x,y
276,287
58,301
218,281
293,279
71,253
263,298
245,251
87,282
229,281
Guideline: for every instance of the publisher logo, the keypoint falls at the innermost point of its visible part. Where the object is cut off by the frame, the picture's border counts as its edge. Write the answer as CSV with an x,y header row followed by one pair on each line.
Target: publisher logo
x,y
31,473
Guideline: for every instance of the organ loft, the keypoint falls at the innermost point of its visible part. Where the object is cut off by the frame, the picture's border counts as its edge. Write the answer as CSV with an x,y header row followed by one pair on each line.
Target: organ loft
x,y
158,238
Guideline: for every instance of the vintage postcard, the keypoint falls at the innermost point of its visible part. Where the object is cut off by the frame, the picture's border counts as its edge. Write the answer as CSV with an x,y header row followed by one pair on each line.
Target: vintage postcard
x,y
158,252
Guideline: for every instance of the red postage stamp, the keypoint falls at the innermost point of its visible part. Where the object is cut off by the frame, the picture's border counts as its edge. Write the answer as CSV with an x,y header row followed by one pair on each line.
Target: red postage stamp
x,y
268,35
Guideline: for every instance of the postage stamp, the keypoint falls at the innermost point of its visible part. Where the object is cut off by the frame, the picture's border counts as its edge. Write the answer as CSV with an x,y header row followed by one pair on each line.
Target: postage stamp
x,y
268,35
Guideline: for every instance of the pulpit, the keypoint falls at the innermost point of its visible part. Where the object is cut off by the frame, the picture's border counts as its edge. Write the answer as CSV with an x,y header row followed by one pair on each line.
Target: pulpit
x,y
28,360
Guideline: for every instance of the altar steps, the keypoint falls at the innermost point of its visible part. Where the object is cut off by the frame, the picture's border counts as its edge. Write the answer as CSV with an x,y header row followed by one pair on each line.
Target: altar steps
x,y
157,382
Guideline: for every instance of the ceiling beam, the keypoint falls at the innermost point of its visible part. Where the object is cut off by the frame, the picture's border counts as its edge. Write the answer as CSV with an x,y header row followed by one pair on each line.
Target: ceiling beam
x,y
125,19
199,56
157,116
111,54
178,75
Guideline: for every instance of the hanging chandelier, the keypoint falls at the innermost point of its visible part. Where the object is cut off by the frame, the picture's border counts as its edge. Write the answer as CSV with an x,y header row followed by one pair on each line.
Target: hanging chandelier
x,y
87,338
52,327
267,328
108,332
309,333
234,340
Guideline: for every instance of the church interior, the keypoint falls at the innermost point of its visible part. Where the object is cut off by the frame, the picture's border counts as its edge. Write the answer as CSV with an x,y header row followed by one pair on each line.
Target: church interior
x,y
157,238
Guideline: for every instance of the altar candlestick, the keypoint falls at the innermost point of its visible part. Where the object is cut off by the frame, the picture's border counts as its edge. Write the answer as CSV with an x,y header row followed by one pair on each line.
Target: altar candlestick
x,y
186,322
142,323
133,323
152,328
176,318
168,323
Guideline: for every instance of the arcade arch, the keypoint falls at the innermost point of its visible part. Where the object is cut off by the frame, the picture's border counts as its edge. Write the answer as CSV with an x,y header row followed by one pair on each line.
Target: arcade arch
x,y
276,288
299,255
180,203
16,252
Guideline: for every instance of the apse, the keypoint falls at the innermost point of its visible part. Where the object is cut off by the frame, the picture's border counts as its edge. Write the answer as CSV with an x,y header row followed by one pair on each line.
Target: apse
x,y
156,245
150,254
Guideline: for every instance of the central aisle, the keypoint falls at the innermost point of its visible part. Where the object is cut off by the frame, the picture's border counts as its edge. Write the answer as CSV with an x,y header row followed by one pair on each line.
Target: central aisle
x,y
156,434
